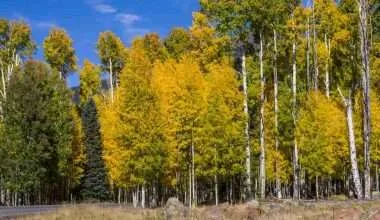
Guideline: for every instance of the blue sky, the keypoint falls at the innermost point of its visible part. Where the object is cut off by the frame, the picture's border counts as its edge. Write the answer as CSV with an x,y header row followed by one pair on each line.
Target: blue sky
x,y
85,19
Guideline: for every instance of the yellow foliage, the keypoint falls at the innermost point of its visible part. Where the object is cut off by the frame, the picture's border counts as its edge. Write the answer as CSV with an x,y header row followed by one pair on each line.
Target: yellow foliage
x,y
222,145
322,136
275,160
110,130
77,157
89,81
180,88
206,46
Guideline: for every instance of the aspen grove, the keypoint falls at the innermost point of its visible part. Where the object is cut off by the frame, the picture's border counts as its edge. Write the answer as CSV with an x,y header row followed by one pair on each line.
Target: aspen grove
x,y
256,99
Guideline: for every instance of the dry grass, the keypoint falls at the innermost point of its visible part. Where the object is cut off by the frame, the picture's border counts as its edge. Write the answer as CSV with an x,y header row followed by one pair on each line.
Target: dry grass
x,y
347,210
99,212
324,210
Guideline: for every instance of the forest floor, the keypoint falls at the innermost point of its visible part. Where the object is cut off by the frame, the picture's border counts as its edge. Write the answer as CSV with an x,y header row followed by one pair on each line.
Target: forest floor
x,y
276,210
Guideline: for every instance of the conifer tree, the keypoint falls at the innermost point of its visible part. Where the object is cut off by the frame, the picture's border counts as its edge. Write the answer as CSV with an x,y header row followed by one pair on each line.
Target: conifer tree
x,y
95,183
38,128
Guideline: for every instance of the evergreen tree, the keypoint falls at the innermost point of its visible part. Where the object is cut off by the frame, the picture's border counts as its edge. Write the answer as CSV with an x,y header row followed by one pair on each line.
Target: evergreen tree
x,y
37,130
95,184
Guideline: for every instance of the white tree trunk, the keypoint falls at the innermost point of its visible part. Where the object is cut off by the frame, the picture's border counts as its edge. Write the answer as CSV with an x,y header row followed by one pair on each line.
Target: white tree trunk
x,y
119,195
190,189
135,198
6,72
143,196
316,188
193,173
248,180
294,101
327,75
216,190
216,177
316,70
351,137
111,79
364,46
262,101
275,86
308,78
377,177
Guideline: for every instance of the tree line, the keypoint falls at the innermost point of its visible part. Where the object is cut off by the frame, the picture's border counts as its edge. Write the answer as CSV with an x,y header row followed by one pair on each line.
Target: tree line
x,y
256,99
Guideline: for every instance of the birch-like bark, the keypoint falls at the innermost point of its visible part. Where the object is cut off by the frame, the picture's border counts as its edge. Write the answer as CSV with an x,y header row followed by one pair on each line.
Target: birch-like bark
x,y
262,144
294,102
364,48
351,137
143,196
327,75
119,195
135,198
377,177
316,70
194,197
190,189
308,77
111,78
216,190
4,91
275,86
248,183
316,188
216,177
6,72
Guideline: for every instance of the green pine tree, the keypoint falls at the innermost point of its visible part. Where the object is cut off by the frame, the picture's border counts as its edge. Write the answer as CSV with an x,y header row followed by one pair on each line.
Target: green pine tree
x,y
36,129
95,185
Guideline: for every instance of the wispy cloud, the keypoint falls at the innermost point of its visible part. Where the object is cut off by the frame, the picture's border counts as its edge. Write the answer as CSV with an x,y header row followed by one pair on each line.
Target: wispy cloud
x,y
104,8
100,6
44,24
127,19
35,23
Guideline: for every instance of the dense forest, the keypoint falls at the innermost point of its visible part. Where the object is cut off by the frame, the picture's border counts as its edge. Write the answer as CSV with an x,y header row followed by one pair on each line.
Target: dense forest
x,y
257,99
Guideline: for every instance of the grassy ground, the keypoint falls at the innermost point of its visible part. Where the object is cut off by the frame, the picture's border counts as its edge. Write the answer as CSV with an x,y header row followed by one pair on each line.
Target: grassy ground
x,y
98,212
334,210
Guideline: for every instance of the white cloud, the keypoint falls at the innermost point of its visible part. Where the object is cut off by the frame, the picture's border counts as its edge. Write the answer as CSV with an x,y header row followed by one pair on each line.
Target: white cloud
x,y
100,6
127,19
44,24
104,8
